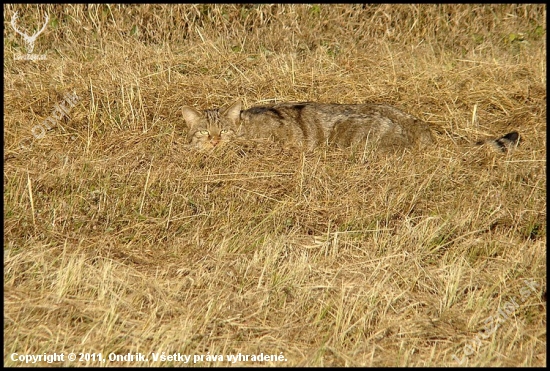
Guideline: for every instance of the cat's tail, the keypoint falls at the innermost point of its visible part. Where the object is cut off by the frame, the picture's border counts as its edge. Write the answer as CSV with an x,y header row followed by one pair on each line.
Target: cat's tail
x,y
503,143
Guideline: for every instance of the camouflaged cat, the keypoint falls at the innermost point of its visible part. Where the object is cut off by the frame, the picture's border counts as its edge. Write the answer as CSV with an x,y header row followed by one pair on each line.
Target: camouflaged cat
x,y
314,124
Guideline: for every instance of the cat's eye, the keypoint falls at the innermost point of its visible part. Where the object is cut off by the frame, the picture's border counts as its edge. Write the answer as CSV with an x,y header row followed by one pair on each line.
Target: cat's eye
x,y
224,131
204,132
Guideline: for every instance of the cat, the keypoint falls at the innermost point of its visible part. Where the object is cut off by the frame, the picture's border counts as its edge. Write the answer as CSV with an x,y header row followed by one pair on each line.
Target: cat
x,y
314,124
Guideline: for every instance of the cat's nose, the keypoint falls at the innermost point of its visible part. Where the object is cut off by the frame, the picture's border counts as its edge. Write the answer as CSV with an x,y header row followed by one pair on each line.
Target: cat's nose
x,y
214,141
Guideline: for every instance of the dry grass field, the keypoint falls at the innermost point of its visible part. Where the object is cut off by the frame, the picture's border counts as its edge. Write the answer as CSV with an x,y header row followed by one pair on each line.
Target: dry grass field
x,y
118,240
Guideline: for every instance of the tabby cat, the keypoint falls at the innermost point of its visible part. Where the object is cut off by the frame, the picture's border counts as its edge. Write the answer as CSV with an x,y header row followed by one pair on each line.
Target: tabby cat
x,y
315,124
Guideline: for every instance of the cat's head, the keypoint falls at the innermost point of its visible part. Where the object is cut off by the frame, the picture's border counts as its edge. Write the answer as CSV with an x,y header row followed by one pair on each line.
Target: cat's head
x,y
212,128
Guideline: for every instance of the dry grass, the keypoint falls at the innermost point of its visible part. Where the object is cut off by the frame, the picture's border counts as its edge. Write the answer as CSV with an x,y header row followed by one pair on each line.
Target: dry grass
x,y
116,240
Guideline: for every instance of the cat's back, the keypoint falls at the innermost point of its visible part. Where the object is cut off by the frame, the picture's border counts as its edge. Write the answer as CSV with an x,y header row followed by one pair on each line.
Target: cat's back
x,y
313,124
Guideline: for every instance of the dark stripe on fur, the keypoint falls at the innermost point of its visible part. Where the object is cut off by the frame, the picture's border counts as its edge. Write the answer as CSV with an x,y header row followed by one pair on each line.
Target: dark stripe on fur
x,y
263,110
300,121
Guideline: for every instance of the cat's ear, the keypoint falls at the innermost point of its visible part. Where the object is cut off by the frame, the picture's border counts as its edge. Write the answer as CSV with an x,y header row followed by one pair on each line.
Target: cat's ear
x,y
233,112
191,116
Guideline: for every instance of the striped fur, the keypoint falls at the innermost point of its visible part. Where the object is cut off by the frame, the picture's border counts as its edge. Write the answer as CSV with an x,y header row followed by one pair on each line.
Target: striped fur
x,y
315,124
